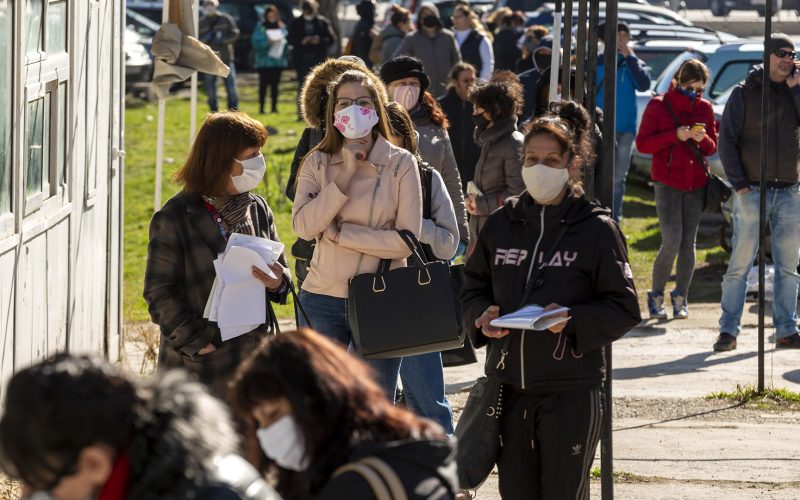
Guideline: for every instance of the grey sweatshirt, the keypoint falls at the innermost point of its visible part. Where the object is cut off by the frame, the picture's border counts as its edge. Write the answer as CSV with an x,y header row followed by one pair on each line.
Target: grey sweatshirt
x,y
441,230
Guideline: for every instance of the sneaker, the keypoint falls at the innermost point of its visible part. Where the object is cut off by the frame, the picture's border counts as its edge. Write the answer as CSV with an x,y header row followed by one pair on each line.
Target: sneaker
x,y
680,310
725,342
790,342
655,303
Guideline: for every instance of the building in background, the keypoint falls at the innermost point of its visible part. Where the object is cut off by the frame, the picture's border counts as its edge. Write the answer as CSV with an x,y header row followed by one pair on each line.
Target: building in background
x,y
61,131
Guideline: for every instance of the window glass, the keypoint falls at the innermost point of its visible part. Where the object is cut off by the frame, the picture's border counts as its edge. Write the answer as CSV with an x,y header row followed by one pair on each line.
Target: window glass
x,y
57,27
5,104
730,75
33,27
38,139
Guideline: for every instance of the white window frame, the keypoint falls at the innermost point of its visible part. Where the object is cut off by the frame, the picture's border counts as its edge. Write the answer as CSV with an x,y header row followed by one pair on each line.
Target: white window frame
x,y
8,219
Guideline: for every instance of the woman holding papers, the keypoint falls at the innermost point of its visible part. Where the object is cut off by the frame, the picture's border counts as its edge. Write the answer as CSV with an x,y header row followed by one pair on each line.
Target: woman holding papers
x,y
552,408
191,231
270,51
355,190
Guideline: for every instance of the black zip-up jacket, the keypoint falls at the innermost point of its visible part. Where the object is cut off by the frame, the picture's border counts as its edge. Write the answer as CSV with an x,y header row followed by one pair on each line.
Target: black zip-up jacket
x,y
589,273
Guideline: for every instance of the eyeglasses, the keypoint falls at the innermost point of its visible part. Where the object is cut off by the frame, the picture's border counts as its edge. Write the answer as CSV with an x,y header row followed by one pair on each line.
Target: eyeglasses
x,y
364,102
785,53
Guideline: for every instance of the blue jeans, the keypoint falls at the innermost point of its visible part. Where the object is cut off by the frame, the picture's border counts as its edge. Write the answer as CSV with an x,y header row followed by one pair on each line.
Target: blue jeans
x,y
328,316
622,162
423,388
783,214
210,83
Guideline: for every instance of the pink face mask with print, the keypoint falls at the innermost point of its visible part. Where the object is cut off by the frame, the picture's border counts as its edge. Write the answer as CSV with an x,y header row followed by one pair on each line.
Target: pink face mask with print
x,y
355,122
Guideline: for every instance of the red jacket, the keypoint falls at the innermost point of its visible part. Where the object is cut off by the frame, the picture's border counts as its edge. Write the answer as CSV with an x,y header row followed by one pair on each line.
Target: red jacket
x,y
674,162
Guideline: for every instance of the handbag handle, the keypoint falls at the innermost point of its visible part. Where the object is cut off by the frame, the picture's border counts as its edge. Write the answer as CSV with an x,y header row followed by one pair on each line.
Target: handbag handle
x,y
290,285
416,250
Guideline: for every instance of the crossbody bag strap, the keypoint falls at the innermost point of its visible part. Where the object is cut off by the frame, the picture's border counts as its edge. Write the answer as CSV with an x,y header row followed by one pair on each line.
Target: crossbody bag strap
x,y
692,145
389,476
377,486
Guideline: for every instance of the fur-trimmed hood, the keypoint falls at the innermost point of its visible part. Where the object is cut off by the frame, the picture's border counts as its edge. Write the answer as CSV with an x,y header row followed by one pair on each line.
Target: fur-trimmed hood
x,y
312,96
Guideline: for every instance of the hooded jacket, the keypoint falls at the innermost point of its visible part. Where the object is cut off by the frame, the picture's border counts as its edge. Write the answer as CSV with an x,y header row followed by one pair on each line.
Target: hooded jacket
x,y
313,98
740,133
675,163
438,54
589,273
498,173
533,79
184,446
427,470
631,76
435,148
379,200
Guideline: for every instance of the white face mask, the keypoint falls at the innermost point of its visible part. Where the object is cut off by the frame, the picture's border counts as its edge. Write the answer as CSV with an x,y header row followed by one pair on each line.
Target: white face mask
x,y
253,171
355,122
406,95
544,183
308,18
283,442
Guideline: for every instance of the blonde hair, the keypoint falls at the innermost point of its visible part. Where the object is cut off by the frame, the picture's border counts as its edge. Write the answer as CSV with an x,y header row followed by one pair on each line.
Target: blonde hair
x,y
333,140
474,21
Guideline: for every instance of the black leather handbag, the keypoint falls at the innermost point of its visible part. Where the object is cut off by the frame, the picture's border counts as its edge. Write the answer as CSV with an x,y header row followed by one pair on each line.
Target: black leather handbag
x,y
465,354
478,428
403,311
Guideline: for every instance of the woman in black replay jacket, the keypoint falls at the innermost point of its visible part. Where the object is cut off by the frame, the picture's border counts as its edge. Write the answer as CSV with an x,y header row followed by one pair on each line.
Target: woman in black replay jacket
x,y
552,408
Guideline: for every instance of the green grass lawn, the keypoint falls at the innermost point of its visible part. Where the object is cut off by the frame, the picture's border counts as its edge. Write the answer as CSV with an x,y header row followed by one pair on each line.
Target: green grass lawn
x,y
640,223
140,144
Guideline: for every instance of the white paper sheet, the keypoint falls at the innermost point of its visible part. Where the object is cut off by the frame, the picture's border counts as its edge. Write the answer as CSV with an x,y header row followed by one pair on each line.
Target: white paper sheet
x,y
530,317
269,250
243,303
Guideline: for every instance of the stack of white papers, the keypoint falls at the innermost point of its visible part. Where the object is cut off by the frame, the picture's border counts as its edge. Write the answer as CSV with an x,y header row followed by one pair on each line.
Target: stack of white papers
x,y
237,302
531,317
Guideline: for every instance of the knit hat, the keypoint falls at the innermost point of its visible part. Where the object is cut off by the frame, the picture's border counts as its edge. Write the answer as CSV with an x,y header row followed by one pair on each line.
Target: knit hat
x,y
779,41
403,67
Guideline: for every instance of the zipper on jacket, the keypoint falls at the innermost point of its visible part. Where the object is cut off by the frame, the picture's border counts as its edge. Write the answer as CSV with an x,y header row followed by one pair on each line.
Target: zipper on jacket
x,y
530,271
371,209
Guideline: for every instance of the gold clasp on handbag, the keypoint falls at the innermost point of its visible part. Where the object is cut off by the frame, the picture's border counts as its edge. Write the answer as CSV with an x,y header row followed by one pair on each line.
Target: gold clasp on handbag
x,y
419,277
375,281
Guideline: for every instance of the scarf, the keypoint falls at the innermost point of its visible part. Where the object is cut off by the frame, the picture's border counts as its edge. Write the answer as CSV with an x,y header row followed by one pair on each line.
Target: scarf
x,y
116,486
235,212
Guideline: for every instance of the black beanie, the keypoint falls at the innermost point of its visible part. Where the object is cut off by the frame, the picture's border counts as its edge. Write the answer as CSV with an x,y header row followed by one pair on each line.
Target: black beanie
x,y
404,67
779,41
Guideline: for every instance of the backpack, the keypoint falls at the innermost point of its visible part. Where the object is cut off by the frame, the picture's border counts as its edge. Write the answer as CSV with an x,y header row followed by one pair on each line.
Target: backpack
x,y
426,180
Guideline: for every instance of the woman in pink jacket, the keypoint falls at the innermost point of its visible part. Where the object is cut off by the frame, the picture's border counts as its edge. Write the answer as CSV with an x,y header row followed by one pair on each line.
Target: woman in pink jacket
x,y
354,191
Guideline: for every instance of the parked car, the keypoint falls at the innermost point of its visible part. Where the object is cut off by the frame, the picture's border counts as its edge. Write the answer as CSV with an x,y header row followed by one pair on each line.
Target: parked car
x,y
138,64
658,54
145,27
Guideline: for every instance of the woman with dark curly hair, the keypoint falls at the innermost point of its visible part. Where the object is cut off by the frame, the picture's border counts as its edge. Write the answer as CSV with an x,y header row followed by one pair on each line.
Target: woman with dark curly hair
x,y
322,423
497,173
550,247
408,85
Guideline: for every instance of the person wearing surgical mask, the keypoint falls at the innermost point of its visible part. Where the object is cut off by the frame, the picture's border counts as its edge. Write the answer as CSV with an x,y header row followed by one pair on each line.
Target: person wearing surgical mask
x,y
224,166
550,247
408,85
355,191
321,421
78,428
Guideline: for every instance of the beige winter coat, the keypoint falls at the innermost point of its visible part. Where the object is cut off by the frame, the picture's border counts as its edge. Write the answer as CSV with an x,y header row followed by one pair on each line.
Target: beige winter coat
x,y
379,200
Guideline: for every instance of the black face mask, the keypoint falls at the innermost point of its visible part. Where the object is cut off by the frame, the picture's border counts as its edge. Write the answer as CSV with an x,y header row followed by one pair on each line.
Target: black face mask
x,y
430,21
480,121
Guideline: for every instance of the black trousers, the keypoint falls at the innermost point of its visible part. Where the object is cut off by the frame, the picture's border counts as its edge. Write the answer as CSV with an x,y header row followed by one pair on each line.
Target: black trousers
x,y
268,77
549,442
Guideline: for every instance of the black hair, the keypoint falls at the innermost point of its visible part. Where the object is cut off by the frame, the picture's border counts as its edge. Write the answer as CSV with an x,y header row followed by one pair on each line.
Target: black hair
x,y
501,96
55,409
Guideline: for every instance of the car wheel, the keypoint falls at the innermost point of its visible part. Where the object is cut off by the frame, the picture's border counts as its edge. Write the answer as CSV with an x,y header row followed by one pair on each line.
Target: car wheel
x,y
719,8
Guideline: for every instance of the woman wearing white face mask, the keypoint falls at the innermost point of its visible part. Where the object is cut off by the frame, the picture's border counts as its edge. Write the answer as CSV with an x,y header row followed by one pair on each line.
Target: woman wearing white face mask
x,y
186,235
321,421
408,84
550,247
355,190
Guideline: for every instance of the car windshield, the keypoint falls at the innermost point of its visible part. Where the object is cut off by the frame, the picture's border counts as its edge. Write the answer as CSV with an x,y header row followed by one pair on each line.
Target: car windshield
x,y
141,24
657,60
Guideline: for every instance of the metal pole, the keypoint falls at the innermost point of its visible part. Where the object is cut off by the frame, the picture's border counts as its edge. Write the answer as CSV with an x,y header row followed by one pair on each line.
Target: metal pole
x,y
762,214
591,90
193,84
580,55
162,111
566,62
607,197
554,62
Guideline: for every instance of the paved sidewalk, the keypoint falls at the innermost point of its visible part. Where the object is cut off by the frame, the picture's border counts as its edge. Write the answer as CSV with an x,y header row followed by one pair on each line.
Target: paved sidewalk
x,y
697,456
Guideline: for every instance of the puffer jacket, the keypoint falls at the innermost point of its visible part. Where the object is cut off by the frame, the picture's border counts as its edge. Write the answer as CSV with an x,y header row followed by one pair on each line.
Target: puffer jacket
x,y
435,148
675,164
378,202
498,173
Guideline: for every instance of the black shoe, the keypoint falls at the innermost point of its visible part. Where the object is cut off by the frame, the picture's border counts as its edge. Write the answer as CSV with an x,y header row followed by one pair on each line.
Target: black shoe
x,y
725,342
790,342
